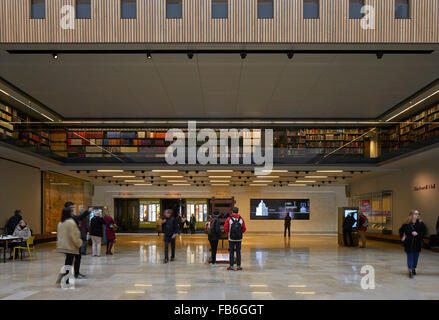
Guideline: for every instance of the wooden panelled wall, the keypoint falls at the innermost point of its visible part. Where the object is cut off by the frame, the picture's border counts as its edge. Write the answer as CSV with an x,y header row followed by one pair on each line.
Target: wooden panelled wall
x,y
242,26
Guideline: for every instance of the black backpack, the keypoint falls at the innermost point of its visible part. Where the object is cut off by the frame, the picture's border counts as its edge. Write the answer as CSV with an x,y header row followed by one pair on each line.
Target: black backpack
x,y
235,229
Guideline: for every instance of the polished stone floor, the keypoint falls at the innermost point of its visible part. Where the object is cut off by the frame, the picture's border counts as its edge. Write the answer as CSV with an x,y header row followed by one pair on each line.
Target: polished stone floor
x,y
303,267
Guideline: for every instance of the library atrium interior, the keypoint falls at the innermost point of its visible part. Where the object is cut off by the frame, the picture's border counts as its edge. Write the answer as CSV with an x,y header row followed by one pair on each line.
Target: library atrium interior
x,y
350,127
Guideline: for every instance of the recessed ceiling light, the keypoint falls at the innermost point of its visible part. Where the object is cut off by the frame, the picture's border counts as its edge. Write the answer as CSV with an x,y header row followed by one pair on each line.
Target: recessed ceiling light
x,y
305,292
258,285
220,177
263,181
110,170
267,177
316,177
142,285
219,171
171,177
219,181
177,181
220,184
134,292
297,185
297,286
305,181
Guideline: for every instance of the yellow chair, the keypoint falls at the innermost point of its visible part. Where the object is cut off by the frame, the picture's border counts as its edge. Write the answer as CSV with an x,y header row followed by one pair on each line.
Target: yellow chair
x,y
30,246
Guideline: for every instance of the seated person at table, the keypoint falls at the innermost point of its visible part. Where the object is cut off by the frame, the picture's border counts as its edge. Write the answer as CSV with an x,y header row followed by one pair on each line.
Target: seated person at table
x,y
21,231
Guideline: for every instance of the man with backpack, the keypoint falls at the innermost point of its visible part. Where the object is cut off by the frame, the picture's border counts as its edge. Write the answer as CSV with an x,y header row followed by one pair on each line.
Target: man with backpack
x,y
213,231
363,224
235,228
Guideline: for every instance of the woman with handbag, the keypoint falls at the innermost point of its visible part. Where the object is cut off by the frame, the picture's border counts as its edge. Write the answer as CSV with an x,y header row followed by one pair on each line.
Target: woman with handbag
x,y
110,232
412,235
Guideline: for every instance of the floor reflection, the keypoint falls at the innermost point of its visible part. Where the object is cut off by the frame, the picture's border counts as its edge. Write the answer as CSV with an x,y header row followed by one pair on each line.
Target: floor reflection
x,y
300,267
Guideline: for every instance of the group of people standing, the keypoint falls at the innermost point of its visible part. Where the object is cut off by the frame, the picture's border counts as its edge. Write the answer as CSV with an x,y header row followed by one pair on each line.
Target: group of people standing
x,y
184,224
72,236
234,227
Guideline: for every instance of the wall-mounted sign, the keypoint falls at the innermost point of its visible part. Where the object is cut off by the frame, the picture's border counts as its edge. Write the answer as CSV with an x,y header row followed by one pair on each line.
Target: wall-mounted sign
x,y
425,187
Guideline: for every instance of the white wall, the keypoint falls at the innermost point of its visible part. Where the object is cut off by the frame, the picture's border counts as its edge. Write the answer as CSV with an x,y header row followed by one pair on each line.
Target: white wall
x,y
324,202
417,170
20,189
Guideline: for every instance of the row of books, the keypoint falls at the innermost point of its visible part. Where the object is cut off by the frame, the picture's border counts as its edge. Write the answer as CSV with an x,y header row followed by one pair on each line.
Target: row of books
x,y
304,132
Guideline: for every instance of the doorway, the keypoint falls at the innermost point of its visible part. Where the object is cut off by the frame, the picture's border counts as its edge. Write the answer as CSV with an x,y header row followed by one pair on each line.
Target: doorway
x,y
177,205
126,213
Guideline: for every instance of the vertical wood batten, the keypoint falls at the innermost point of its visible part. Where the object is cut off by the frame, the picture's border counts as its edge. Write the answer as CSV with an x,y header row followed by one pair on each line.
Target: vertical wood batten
x,y
242,25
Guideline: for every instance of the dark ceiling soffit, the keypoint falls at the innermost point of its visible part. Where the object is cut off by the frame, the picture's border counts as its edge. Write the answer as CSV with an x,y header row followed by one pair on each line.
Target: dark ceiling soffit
x,y
408,99
145,51
29,97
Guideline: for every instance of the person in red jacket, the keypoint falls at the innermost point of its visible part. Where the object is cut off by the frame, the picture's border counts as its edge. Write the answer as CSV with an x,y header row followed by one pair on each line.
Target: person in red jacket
x,y
363,223
234,228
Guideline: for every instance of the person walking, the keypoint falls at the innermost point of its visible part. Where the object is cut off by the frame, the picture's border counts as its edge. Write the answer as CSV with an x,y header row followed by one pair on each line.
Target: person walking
x,y
84,227
185,224
78,219
193,221
348,223
13,222
235,228
110,233
412,235
287,225
213,230
96,232
158,225
68,240
22,231
363,223
180,223
170,231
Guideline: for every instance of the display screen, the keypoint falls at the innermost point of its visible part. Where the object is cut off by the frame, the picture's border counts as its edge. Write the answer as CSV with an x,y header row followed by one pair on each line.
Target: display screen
x,y
354,214
277,209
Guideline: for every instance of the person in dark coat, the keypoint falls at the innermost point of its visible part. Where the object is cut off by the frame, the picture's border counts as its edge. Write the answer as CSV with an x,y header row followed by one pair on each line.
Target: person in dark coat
x,y
412,234
13,222
170,231
437,226
214,235
84,226
348,223
287,225
78,219
97,232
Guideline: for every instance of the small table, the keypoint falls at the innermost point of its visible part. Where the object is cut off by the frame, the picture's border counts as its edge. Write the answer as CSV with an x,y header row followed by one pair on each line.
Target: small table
x,y
6,240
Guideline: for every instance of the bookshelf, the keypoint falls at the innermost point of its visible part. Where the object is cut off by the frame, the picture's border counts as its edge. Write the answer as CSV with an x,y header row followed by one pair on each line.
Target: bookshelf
x,y
414,130
16,125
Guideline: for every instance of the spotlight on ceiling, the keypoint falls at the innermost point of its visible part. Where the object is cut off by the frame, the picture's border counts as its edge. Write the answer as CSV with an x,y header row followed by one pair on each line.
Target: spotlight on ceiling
x,y
190,55
290,54
55,55
148,55
380,55
243,55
